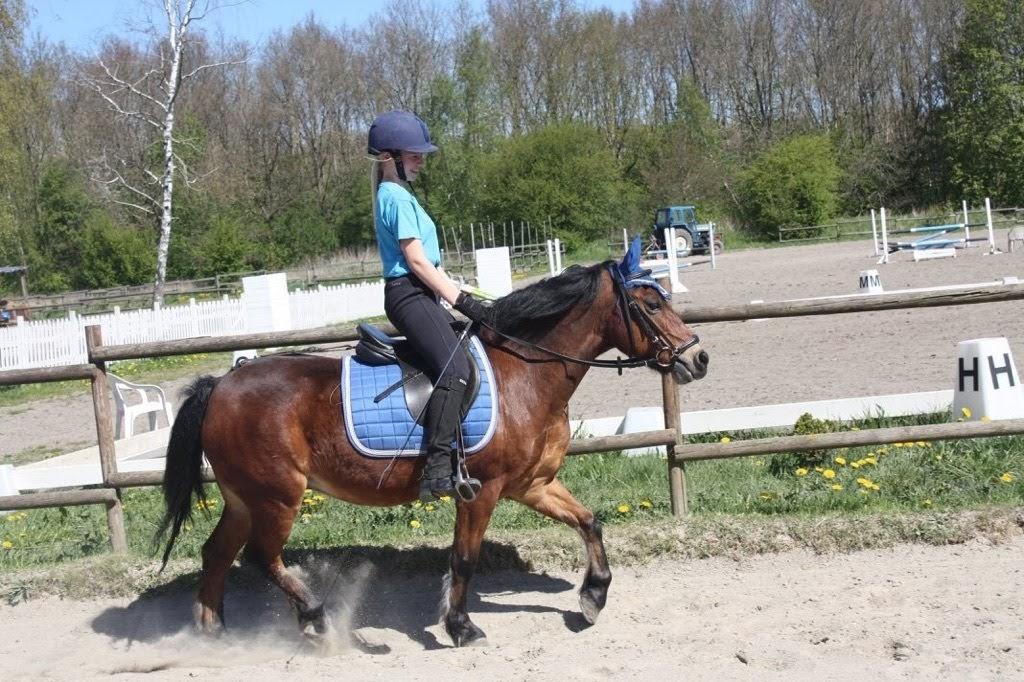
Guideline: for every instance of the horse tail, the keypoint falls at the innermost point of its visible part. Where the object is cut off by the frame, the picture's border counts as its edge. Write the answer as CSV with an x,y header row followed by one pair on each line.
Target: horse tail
x,y
183,475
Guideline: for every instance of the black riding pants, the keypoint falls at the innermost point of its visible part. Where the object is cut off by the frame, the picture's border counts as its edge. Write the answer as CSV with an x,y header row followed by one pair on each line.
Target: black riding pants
x,y
414,309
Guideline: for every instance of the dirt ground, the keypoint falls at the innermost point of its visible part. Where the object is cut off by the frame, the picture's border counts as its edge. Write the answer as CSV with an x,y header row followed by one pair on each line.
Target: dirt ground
x,y
752,363
912,612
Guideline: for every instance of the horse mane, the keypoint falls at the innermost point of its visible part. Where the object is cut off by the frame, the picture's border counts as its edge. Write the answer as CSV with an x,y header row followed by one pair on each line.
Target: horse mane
x,y
531,312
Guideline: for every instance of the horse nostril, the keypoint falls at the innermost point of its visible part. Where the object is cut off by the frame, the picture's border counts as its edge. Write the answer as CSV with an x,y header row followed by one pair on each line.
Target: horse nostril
x,y
702,359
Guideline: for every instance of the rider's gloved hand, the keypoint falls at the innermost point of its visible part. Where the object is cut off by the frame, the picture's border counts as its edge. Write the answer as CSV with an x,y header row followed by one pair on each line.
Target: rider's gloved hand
x,y
472,308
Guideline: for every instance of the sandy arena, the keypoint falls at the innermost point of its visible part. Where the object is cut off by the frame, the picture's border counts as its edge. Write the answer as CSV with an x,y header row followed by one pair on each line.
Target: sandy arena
x,y
911,612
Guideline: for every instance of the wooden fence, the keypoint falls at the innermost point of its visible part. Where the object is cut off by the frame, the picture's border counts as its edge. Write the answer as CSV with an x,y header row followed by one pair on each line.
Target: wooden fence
x,y
679,452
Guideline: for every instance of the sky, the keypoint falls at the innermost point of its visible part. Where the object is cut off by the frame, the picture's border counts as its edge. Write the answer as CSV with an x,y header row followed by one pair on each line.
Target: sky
x,y
80,24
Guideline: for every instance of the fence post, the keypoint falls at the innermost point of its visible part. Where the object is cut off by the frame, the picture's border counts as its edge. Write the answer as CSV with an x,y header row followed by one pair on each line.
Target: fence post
x,y
105,438
676,468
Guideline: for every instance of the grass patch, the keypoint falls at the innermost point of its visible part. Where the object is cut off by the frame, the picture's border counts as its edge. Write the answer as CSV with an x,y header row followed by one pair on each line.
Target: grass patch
x,y
843,499
40,452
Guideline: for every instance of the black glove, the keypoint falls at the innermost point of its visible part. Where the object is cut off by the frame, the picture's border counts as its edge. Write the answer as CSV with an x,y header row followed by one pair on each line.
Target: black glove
x,y
475,310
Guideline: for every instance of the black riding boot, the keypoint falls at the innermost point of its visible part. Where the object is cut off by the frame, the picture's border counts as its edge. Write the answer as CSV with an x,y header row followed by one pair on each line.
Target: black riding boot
x,y
443,412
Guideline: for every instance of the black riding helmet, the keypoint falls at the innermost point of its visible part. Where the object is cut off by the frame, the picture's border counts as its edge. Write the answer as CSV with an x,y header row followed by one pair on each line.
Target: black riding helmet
x,y
396,132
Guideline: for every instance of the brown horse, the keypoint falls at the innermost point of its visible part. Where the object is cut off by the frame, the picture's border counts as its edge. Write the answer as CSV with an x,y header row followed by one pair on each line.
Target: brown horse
x,y
271,428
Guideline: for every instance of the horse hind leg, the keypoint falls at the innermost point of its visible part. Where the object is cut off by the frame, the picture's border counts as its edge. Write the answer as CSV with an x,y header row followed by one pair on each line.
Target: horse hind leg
x,y
219,553
555,501
271,526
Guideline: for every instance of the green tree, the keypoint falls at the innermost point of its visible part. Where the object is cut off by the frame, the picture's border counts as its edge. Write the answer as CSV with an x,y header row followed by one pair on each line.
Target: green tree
x,y
113,255
984,131
792,183
563,172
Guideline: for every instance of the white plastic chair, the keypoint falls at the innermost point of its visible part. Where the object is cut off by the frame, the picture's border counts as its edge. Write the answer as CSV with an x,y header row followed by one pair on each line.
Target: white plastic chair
x,y
134,400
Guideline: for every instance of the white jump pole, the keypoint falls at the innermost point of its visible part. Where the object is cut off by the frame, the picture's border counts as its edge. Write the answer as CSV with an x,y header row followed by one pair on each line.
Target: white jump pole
x,y
991,234
967,229
672,260
551,258
874,232
558,255
712,248
625,240
885,237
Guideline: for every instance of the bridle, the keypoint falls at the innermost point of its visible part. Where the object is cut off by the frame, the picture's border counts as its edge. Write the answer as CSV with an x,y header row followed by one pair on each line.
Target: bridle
x,y
666,356
633,311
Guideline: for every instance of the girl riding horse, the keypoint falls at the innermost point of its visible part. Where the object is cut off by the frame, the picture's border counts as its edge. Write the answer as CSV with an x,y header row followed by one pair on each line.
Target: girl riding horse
x,y
271,428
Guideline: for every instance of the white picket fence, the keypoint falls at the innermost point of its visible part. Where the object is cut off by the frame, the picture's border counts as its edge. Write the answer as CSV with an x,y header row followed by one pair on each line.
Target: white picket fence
x,y
49,343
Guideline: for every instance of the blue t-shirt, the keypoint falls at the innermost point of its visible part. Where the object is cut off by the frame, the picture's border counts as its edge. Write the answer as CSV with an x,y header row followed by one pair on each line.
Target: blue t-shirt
x,y
400,216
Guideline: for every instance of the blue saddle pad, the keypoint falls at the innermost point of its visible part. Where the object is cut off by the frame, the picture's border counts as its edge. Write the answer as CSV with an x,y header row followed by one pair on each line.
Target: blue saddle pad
x,y
386,429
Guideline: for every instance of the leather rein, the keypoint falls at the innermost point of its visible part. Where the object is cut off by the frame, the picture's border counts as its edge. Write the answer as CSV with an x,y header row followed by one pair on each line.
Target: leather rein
x,y
662,361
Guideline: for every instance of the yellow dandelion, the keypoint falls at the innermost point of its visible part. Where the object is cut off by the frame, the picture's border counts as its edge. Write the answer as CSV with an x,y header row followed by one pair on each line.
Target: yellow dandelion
x,y
759,462
1006,477
986,419
926,502
417,504
829,474
855,428
965,411
837,486
897,445
305,517
855,465
767,495
725,439
801,472
6,544
429,507
623,508
415,523
445,499
645,504
818,469
841,461
319,498
870,460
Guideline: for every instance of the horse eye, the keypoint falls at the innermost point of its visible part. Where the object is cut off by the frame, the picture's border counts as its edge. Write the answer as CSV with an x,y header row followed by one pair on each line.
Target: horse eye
x,y
653,306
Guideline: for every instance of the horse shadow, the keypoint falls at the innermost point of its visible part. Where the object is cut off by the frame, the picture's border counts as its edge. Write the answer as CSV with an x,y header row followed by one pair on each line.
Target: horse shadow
x,y
362,586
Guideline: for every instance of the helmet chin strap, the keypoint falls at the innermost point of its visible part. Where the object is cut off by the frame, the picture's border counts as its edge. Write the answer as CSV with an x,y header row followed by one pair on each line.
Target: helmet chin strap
x,y
396,156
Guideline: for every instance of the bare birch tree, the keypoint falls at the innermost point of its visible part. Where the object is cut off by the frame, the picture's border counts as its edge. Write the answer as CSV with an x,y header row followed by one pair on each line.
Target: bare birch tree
x,y
147,94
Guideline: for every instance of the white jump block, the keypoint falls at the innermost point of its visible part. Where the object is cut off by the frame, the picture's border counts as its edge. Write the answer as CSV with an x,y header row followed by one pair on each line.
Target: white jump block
x,y
929,254
986,383
869,282
265,298
639,419
494,271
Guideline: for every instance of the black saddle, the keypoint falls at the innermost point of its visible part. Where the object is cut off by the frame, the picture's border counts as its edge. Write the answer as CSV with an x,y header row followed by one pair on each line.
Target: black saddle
x,y
377,348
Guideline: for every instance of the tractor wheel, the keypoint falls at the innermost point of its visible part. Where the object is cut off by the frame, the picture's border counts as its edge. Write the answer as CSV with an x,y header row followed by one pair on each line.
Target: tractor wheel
x,y
684,243
719,247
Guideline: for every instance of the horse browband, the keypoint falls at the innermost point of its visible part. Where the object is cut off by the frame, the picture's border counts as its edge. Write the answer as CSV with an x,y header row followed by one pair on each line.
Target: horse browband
x,y
631,311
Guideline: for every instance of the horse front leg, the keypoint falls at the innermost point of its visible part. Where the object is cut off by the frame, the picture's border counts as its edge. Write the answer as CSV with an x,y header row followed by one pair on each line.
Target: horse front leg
x,y
470,525
555,501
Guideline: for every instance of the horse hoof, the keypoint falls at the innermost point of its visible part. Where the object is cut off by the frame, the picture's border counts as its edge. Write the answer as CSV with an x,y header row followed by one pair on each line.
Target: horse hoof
x,y
466,634
589,608
322,636
208,623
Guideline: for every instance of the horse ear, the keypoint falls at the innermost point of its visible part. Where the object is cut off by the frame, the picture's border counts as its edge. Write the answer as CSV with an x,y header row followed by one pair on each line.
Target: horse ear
x,y
631,261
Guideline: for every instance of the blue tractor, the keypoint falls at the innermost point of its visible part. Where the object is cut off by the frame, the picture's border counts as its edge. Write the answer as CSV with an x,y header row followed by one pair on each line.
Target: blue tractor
x,y
691,236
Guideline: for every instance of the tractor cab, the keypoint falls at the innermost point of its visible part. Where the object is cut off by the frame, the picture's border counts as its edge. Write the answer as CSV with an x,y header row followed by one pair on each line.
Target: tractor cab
x,y
691,236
